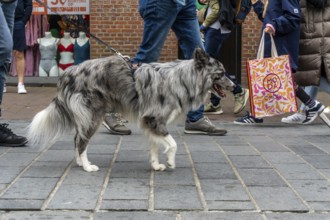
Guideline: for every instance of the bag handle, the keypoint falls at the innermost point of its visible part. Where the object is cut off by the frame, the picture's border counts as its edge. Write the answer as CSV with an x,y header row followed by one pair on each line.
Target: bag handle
x,y
261,50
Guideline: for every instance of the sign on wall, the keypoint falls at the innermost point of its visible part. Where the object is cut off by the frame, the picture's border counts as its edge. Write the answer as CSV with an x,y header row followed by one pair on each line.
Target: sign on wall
x,y
62,7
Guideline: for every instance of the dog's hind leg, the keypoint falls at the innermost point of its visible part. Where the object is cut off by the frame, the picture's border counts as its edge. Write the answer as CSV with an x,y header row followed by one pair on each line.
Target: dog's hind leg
x,y
81,145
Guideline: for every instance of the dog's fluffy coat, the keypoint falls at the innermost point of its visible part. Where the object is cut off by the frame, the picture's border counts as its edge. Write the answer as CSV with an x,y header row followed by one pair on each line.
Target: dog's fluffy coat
x,y
154,96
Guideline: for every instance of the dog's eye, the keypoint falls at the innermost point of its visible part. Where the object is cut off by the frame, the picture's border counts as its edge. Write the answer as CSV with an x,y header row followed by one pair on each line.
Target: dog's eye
x,y
217,78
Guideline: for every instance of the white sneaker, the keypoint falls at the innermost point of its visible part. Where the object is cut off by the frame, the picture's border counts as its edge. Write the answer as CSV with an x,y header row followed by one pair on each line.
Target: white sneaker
x,y
4,88
21,89
296,118
327,110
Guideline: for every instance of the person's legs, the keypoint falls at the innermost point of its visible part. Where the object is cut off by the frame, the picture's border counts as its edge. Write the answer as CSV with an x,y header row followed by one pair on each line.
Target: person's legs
x,y
20,69
157,24
7,137
187,31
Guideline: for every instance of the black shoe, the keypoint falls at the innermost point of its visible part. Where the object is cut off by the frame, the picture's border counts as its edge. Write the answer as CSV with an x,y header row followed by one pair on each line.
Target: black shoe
x,y
312,113
248,120
9,139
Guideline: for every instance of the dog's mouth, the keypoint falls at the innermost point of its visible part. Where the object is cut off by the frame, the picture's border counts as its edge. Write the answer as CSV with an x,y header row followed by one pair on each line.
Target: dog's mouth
x,y
218,90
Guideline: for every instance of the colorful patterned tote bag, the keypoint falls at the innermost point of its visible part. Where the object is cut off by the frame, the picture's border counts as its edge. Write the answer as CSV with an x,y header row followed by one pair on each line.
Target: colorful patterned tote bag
x,y
271,84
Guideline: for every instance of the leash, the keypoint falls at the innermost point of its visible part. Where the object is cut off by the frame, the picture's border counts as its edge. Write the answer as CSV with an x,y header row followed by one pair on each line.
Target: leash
x,y
80,28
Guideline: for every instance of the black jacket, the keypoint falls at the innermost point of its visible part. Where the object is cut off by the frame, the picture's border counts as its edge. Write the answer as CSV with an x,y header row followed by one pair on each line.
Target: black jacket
x,y
23,10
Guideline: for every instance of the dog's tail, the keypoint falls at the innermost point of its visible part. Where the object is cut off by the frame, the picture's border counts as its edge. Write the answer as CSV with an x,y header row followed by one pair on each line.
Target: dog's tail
x,y
49,124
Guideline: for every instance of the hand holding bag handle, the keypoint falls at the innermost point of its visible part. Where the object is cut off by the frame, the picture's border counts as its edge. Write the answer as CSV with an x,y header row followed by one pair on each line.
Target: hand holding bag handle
x,y
261,50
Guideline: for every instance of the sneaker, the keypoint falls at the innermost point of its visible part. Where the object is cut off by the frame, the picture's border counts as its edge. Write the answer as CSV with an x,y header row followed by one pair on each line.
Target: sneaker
x,y
9,139
114,123
312,113
21,89
240,100
296,118
248,119
4,88
327,110
213,110
203,126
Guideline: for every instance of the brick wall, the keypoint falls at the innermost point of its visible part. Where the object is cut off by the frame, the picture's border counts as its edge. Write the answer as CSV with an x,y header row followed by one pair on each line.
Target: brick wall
x,y
119,24
251,30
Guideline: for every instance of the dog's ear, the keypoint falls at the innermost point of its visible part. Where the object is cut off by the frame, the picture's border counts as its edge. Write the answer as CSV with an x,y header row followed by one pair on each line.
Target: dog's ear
x,y
201,58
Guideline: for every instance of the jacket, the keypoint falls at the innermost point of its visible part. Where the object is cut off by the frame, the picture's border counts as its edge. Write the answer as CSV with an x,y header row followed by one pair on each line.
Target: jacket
x,y
314,59
284,16
23,10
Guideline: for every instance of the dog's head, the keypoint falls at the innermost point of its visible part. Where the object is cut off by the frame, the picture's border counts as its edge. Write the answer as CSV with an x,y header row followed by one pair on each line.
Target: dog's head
x,y
212,72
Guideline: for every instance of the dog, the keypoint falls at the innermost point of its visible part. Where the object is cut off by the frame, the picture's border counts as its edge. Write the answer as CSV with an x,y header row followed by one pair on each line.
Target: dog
x,y
154,96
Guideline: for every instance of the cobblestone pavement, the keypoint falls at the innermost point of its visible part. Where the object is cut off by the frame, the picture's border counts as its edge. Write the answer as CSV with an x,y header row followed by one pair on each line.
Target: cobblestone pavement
x,y
268,172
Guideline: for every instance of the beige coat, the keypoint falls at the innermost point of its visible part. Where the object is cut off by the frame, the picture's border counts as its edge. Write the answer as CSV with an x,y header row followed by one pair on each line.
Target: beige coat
x,y
314,50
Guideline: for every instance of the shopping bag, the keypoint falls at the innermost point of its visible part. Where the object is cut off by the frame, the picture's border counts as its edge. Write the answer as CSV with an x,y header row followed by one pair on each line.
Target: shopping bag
x,y
271,84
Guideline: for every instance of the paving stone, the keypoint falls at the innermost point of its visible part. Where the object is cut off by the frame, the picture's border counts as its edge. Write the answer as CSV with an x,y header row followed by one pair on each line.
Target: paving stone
x,y
132,156
318,161
240,151
178,176
306,149
127,188
208,157
320,206
75,197
37,215
230,141
261,177
313,190
214,171
248,162
122,204
101,149
176,198
208,146
282,157
297,216
223,190
135,215
58,155
20,204
77,176
30,188
8,174
46,169
219,216
277,199
131,170
229,205
17,159
298,171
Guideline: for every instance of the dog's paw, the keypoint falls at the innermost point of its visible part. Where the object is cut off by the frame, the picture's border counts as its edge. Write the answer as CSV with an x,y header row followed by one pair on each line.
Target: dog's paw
x,y
170,164
91,168
158,167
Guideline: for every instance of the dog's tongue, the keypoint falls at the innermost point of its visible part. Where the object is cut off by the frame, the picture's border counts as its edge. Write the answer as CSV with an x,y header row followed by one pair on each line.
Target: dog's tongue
x,y
219,90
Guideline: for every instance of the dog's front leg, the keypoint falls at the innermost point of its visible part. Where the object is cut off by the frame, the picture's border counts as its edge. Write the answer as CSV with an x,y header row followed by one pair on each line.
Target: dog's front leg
x,y
171,151
154,160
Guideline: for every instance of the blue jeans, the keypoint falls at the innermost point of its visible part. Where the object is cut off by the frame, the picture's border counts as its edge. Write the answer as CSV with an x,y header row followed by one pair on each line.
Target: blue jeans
x,y
161,16
213,43
7,13
313,90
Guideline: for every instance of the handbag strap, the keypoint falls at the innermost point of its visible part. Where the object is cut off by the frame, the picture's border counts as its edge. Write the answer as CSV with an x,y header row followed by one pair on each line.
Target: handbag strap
x,y
261,50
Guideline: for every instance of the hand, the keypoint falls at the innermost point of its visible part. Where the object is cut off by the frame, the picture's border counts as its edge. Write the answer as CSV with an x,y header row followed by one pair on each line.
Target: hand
x,y
202,28
254,1
269,30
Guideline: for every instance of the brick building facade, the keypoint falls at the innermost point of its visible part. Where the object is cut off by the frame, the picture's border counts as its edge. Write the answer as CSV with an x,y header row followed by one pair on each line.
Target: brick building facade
x,y
119,24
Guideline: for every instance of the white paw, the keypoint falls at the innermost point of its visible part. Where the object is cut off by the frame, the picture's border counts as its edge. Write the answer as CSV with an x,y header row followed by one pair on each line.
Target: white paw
x,y
91,168
158,167
170,164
